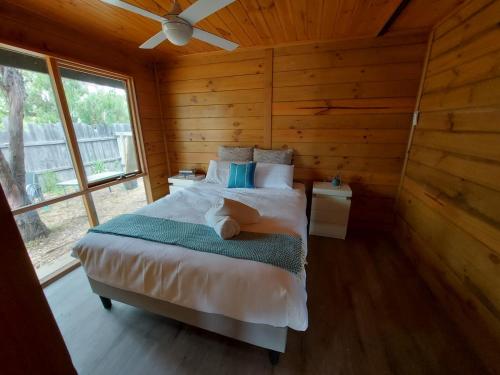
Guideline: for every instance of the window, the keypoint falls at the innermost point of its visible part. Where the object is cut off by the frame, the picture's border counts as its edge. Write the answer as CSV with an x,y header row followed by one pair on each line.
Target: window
x,y
101,119
68,150
111,202
64,223
34,151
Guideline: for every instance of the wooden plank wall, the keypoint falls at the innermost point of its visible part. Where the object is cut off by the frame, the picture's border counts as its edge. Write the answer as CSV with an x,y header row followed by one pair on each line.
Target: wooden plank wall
x,y
22,29
342,106
210,100
346,107
152,132
448,215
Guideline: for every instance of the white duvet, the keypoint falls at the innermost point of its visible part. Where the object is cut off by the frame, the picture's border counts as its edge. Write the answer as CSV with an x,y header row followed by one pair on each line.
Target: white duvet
x,y
241,289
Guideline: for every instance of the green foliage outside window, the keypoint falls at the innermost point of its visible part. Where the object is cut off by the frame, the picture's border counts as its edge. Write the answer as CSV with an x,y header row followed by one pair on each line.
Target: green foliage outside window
x,y
98,167
90,104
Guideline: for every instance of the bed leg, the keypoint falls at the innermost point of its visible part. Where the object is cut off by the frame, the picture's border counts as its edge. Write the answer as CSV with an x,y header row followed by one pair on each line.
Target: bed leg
x,y
106,302
274,357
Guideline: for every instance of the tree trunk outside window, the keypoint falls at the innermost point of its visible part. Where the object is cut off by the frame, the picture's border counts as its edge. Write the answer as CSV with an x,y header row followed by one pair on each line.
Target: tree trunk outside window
x,y
13,173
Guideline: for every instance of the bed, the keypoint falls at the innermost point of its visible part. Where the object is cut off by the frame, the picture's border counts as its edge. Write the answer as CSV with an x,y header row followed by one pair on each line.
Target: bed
x,y
247,300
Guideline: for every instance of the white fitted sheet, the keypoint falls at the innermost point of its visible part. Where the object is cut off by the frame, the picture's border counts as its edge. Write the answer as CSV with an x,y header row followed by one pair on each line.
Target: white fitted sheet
x,y
246,290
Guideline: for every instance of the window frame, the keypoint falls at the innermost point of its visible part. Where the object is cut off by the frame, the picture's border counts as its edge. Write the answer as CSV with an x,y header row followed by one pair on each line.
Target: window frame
x,y
85,188
133,113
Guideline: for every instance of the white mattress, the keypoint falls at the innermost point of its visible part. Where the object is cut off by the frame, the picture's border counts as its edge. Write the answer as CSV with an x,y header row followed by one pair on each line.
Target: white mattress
x,y
241,289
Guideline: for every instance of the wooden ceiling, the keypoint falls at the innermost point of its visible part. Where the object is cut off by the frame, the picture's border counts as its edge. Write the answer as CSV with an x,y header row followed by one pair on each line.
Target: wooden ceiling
x,y
247,22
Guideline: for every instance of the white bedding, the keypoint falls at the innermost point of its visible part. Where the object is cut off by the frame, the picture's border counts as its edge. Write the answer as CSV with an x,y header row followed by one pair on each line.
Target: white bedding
x,y
241,289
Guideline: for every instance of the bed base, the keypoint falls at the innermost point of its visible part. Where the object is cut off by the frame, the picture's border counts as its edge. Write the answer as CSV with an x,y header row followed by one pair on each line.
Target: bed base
x,y
262,335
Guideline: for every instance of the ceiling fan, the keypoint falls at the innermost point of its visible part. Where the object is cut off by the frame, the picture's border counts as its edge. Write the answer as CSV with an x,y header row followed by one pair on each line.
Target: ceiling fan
x,y
177,25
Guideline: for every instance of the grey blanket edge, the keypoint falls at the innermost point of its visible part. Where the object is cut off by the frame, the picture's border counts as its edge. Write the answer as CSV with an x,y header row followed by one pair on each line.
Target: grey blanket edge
x,y
276,249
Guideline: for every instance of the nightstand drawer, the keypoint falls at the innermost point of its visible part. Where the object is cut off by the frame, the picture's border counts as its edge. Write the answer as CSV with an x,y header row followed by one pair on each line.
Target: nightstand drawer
x,y
178,183
328,230
330,203
339,217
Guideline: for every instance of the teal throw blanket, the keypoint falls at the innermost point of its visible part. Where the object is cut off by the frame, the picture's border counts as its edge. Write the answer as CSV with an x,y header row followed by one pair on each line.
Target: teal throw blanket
x,y
280,250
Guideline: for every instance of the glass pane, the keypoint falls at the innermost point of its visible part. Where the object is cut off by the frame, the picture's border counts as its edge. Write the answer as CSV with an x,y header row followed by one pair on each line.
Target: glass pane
x,y
35,163
50,232
101,119
119,199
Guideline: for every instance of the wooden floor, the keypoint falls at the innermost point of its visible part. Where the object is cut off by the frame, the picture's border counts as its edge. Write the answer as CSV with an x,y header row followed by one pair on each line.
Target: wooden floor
x,y
369,314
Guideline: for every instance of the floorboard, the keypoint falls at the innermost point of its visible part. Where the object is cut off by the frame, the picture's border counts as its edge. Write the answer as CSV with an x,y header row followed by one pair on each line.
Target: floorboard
x,y
369,313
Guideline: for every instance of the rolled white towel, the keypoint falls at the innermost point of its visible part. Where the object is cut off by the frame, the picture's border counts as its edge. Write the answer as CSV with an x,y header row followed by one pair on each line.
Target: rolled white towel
x,y
225,226
239,211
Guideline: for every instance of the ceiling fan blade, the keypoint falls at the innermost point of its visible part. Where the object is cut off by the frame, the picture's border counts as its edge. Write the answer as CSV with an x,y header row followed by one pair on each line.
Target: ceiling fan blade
x,y
154,41
202,9
134,9
214,40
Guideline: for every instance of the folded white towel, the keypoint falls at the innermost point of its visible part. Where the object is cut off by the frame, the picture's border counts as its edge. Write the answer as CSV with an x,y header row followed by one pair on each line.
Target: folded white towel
x,y
240,212
225,226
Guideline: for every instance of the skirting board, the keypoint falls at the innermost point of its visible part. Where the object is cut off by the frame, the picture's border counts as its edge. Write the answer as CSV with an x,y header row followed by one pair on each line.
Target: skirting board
x,y
262,335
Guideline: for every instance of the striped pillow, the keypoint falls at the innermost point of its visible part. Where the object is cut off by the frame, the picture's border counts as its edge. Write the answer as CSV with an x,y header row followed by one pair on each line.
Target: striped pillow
x,y
241,175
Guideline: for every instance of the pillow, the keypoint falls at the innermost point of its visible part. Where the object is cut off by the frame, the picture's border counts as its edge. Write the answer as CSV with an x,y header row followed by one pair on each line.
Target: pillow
x,y
241,175
277,176
218,172
273,156
266,175
227,153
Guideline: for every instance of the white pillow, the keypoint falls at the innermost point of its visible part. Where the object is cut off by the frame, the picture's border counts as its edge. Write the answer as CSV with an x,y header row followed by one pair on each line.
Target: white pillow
x,y
277,176
218,172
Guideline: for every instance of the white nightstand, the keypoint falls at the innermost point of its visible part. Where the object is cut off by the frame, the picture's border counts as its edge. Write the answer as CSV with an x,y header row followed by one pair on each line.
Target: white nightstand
x,y
178,182
330,210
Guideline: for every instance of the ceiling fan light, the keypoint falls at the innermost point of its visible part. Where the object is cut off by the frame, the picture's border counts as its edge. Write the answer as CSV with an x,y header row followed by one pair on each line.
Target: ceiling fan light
x,y
178,31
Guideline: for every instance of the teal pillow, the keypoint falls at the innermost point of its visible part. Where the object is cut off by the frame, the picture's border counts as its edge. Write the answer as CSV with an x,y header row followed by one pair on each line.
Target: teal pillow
x,y
241,175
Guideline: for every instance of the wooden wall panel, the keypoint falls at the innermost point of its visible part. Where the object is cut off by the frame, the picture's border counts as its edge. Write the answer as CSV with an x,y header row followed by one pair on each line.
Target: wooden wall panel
x,y
212,100
346,108
448,214
342,106
21,28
